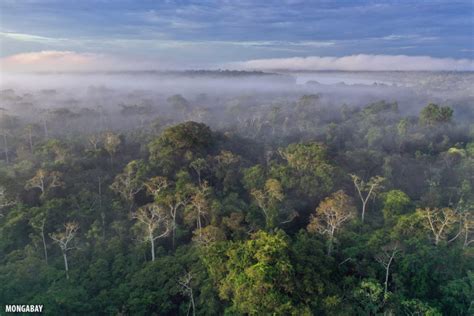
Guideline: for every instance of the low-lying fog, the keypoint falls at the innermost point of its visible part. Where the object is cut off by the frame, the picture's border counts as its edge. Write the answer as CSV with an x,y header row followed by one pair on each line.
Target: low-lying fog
x,y
148,94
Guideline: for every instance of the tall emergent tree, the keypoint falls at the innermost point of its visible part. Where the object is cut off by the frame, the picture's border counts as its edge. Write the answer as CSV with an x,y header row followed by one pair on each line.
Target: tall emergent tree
x,y
45,181
331,214
154,222
440,222
366,190
63,239
385,258
130,181
268,200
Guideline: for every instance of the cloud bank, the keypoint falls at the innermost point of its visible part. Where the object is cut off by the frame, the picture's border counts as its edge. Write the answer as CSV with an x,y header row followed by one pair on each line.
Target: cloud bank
x,y
360,62
49,61
57,61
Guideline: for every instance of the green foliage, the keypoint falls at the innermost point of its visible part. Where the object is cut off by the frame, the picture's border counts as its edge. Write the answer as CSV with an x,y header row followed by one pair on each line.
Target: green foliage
x,y
396,203
259,276
434,114
368,297
179,145
237,201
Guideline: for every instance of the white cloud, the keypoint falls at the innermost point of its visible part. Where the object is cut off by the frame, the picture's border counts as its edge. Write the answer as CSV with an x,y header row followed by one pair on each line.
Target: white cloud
x,y
359,63
52,60
22,37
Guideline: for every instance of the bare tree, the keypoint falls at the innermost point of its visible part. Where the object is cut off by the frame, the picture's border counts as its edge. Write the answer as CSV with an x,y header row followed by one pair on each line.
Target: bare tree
x,y
154,222
173,202
385,258
200,205
45,181
366,190
170,199
94,141
186,288
331,215
467,223
63,239
156,185
128,183
440,222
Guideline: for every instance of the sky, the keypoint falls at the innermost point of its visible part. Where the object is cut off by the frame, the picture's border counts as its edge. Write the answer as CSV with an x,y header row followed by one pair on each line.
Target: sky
x,y
243,34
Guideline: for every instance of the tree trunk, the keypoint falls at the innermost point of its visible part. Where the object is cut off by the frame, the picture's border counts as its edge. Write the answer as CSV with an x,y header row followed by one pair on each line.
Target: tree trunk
x,y
152,247
364,204
199,224
44,245
192,302
330,244
173,231
66,267
387,273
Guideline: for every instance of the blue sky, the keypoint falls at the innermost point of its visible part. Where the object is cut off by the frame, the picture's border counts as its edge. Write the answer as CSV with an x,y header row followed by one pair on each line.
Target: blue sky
x,y
213,32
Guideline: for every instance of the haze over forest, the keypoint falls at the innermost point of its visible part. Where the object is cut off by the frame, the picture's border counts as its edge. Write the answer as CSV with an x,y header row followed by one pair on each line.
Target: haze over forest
x,y
237,157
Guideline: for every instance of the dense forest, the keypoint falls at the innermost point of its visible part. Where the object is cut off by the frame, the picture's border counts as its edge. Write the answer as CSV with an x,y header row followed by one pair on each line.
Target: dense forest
x,y
262,205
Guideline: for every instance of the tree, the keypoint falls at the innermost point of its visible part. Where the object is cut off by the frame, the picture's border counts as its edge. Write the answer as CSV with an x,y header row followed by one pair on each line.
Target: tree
x,y
308,170
256,275
208,235
467,221
198,166
331,214
395,203
173,201
94,141
433,114
179,145
440,222
156,185
154,222
45,181
186,288
416,307
369,189
385,258
268,200
112,142
369,296
63,239
38,222
199,205
130,181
